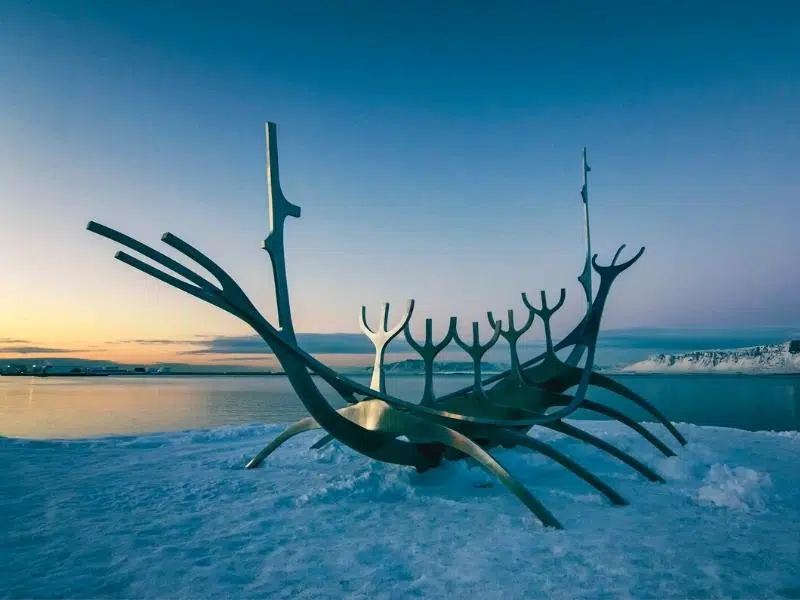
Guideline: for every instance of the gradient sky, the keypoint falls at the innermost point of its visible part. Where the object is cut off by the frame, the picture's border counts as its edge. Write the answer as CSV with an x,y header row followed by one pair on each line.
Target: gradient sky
x,y
433,147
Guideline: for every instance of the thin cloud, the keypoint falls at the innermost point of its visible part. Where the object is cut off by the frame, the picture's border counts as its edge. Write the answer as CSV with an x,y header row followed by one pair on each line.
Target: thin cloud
x,y
13,341
356,343
314,343
263,359
158,342
37,350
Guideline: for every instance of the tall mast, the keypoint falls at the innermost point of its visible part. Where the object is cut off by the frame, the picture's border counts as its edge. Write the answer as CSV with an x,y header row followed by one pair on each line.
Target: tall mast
x,y
586,276
279,209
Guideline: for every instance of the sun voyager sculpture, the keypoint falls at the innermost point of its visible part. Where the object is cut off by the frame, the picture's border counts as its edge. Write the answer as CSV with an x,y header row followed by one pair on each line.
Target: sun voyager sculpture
x,y
493,411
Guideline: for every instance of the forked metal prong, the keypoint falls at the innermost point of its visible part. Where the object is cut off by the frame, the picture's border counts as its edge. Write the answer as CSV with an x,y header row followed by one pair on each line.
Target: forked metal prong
x,y
428,351
476,351
381,339
512,336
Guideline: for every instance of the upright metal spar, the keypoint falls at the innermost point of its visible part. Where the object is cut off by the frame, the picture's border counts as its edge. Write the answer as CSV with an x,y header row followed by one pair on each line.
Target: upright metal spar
x,y
279,209
586,277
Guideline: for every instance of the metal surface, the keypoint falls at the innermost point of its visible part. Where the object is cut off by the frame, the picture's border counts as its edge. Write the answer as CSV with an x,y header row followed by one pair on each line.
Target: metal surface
x,y
476,352
380,339
279,208
464,424
616,415
512,335
585,278
603,445
429,351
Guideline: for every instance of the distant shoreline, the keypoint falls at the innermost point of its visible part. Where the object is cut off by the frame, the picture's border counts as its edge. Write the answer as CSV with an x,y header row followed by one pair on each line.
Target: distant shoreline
x,y
171,374
367,374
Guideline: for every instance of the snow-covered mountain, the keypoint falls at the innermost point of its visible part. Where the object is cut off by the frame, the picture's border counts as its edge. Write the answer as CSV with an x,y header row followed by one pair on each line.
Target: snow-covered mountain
x,y
774,358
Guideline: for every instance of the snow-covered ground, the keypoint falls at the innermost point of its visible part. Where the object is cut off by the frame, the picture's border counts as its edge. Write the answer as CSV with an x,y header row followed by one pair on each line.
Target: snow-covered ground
x,y
176,516
775,358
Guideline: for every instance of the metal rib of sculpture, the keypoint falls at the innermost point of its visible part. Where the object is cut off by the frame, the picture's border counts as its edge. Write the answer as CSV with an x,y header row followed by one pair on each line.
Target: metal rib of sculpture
x,y
466,423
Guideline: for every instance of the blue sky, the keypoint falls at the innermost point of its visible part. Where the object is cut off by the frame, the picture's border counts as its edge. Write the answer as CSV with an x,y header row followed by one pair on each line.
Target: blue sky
x,y
433,147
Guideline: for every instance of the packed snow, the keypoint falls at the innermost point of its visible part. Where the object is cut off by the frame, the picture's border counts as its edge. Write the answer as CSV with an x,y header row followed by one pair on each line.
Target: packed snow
x,y
768,359
176,516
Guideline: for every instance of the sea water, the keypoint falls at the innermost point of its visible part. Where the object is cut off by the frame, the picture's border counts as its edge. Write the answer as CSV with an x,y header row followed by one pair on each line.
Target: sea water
x,y
71,407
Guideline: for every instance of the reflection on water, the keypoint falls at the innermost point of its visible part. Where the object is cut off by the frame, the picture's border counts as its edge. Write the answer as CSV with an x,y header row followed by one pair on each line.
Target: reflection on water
x,y
755,403
81,407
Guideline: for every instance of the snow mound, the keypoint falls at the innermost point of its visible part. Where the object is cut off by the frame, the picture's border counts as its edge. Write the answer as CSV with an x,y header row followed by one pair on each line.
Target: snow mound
x,y
739,488
772,359
176,516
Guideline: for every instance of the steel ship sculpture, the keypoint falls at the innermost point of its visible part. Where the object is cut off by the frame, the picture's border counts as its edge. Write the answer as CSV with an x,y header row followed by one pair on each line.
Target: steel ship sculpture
x,y
493,411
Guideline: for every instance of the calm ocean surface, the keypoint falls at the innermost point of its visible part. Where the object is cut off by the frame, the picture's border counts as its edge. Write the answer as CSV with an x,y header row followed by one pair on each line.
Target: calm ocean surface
x,y
84,407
